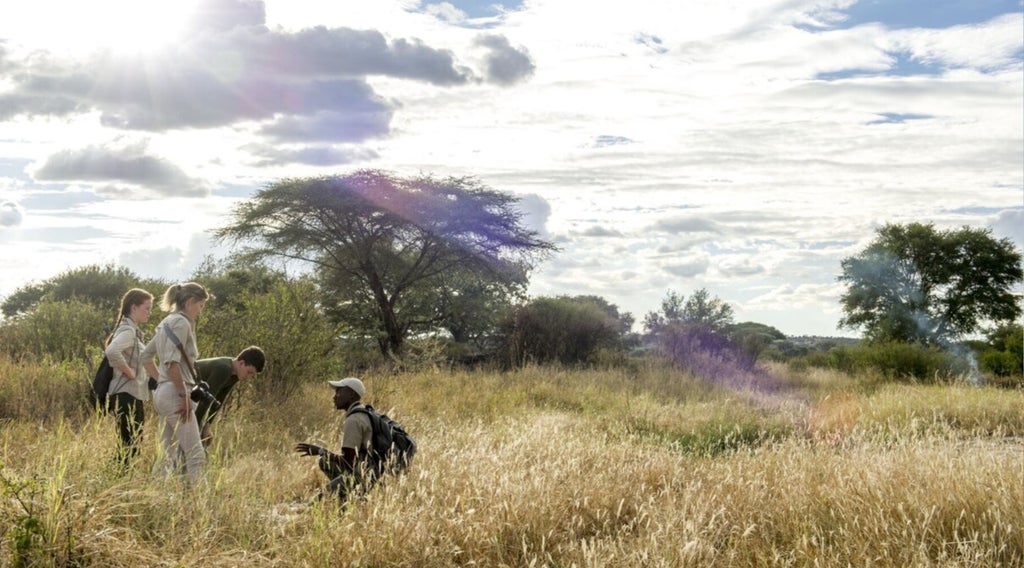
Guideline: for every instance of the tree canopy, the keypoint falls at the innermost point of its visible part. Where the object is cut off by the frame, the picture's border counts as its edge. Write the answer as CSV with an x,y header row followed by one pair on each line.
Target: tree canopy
x,y
916,283
700,310
565,329
389,248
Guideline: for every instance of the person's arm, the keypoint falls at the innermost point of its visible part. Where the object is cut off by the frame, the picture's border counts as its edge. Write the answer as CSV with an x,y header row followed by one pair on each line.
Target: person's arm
x,y
121,342
346,459
148,356
174,371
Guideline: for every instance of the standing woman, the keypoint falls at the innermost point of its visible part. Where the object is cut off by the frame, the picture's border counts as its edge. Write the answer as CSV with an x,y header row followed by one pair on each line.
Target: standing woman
x,y
174,344
129,388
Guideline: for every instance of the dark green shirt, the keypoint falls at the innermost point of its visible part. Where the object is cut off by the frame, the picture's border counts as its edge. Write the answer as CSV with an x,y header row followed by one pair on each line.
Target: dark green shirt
x,y
218,373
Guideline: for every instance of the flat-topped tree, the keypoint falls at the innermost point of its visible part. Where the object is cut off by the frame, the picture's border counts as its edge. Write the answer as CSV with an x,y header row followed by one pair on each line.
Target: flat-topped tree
x,y
390,250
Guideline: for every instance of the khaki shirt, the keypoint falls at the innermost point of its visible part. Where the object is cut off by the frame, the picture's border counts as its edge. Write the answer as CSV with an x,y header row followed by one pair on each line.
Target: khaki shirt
x,y
356,432
162,348
125,349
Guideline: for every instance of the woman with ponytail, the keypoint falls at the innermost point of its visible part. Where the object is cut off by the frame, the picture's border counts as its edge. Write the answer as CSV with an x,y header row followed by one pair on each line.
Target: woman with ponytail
x,y
129,388
174,345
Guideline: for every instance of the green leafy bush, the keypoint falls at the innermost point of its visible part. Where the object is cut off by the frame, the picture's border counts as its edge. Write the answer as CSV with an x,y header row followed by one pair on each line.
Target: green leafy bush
x,y
62,330
893,360
561,330
284,321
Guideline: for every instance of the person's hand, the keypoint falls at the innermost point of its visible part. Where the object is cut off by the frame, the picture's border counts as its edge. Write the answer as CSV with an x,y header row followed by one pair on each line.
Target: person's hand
x,y
309,449
186,408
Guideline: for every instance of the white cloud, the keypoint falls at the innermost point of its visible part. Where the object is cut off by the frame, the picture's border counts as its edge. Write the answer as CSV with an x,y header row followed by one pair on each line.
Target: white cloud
x,y
504,64
11,214
791,297
1009,224
128,171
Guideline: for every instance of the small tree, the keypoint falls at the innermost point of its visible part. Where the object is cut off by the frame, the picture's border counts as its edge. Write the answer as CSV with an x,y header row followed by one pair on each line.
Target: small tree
x,y
693,333
915,283
753,338
701,310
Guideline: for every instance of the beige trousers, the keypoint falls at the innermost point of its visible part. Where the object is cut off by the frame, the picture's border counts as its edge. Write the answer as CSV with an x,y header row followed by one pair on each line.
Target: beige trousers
x,y
180,445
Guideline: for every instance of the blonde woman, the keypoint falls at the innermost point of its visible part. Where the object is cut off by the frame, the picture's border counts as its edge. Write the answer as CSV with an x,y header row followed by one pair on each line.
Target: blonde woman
x,y
129,387
174,345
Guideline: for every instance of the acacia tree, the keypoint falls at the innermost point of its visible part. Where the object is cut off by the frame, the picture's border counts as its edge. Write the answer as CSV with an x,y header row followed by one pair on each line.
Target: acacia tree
x,y
385,244
917,284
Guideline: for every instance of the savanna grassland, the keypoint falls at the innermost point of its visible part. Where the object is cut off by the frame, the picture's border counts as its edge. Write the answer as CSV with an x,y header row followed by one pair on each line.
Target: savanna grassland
x,y
539,467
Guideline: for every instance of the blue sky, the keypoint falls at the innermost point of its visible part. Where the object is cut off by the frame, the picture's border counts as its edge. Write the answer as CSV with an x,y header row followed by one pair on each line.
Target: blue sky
x,y
901,14
741,147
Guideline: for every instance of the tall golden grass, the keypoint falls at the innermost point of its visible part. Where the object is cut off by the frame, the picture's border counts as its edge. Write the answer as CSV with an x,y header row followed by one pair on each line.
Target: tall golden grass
x,y
541,467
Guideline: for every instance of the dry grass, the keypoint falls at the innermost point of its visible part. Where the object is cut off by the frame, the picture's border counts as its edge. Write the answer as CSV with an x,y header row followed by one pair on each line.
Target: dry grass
x,y
544,467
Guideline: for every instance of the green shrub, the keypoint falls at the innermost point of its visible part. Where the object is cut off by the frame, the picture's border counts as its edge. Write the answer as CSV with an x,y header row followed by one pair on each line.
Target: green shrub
x,y
556,330
892,360
285,322
1000,363
62,330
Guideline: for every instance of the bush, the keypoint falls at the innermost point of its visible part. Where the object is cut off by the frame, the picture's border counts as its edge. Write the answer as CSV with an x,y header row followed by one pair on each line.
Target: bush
x,y
556,330
284,322
1000,363
62,330
893,360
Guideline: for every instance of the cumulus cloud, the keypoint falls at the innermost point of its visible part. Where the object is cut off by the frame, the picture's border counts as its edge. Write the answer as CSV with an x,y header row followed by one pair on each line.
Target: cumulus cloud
x,y
536,212
789,297
992,45
125,171
742,268
1009,224
223,15
688,268
686,225
173,263
11,214
232,68
447,12
600,231
352,125
273,155
504,64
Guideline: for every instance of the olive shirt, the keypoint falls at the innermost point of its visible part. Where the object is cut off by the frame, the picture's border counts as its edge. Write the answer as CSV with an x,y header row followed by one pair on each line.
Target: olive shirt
x,y
218,372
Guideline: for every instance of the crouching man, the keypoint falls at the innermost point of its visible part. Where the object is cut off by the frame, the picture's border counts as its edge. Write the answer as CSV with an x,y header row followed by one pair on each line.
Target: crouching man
x,y
350,472
217,379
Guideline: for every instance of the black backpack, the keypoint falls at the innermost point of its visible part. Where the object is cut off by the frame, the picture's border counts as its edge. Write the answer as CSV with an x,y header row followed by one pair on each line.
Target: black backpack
x,y
101,384
392,447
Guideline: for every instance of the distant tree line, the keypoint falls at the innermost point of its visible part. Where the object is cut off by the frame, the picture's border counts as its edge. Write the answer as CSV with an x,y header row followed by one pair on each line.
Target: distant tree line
x,y
413,271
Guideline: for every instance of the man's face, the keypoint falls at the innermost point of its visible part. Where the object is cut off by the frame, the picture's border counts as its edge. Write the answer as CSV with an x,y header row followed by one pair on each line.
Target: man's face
x,y
246,372
343,397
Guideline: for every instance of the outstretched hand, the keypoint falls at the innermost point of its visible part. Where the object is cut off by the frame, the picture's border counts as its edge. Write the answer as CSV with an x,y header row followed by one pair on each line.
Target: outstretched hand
x,y
308,449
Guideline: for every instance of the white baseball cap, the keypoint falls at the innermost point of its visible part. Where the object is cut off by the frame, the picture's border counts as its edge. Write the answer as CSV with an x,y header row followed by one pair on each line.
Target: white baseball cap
x,y
352,383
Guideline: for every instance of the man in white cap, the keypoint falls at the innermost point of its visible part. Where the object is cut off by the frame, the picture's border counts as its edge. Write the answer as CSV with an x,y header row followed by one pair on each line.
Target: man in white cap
x,y
347,470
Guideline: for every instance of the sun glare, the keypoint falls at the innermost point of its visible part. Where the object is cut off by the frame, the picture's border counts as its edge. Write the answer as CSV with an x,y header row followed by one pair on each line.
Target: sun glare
x,y
124,26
